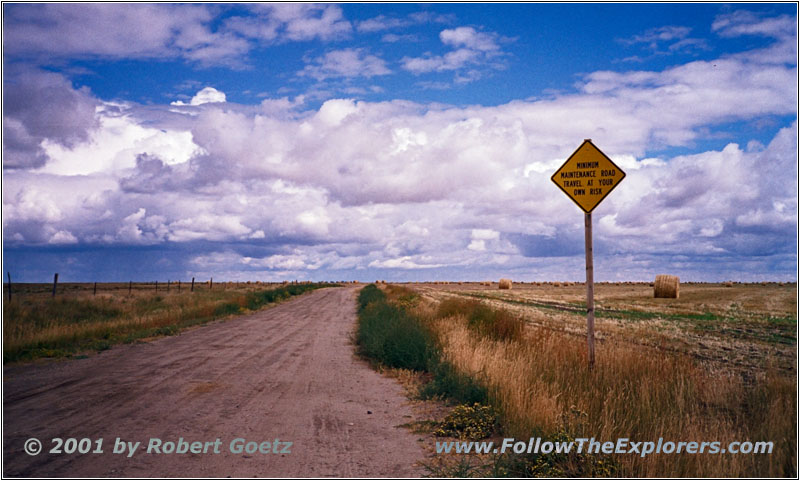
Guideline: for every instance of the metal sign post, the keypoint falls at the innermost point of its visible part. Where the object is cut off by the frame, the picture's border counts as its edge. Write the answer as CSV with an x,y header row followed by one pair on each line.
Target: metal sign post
x,y
587,177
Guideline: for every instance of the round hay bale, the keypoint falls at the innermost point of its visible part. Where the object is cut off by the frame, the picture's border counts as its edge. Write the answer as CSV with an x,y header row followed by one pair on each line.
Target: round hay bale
x,y
729,284
505,283
666,286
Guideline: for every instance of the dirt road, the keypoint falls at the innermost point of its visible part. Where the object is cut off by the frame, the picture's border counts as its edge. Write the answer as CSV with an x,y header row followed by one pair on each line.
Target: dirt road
x,y
287,372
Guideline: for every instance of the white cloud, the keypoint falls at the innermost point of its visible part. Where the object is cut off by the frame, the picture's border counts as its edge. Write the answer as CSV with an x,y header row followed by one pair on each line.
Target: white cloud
x,y
381,22
307,21
348,63
450,61
205,96
405,262
666,40
744,22
397,185
41,106
394,38
472,50
485,234
207,226
469,38
32,204
63,237
480,237
106,30
115,145
163,31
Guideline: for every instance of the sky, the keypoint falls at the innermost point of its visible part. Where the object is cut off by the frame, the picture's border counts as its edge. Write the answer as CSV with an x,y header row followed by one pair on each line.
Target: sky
x,y
404,142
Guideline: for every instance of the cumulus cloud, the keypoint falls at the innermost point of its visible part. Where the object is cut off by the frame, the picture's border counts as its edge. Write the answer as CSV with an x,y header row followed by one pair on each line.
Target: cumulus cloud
x,y
471,49
470,38
280,189
205,96
347,63
307,21
115,143
44,32
105,30
479,238
297,21
43,106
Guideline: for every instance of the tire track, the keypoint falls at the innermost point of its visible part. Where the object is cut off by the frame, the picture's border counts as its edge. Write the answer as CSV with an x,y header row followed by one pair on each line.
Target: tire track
x,y
279,373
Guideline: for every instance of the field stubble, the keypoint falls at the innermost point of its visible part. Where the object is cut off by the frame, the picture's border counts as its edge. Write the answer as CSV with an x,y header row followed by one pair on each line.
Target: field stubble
x,y
749,327
716,365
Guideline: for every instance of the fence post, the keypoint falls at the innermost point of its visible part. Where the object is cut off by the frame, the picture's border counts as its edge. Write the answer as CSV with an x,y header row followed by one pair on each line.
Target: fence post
x,y
192,290
55,283
95,289
211,284
130,284
9,285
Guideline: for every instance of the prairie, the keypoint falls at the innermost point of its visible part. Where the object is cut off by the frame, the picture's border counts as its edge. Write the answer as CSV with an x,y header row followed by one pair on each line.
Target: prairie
x,y
36,324
717,364
747,327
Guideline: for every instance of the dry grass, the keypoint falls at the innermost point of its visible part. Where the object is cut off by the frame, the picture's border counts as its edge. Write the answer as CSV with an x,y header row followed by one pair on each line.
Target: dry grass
x,y
37,325
540,383
751,328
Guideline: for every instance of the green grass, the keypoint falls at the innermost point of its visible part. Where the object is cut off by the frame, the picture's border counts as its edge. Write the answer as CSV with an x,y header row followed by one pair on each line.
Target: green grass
x,y
745,326
450,384
497,324
388,334
579,309
537,380
62,311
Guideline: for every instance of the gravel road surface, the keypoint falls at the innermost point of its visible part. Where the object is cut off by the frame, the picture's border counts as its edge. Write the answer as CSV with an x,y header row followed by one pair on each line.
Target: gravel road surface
x,y
285,373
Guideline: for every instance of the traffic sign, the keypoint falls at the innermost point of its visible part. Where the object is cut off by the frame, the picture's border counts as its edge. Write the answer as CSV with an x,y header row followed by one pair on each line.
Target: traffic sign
x,y
588,176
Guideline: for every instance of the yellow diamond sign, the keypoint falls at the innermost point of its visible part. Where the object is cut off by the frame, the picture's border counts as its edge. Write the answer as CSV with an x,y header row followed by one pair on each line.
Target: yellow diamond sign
x,y
588,176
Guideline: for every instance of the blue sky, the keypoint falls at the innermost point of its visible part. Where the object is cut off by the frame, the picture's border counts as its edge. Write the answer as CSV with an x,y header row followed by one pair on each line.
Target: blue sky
x,y
396,141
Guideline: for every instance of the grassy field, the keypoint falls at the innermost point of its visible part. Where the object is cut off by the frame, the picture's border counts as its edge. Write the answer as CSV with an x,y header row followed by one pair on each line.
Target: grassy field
x,y
747,327
76,320
718,364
